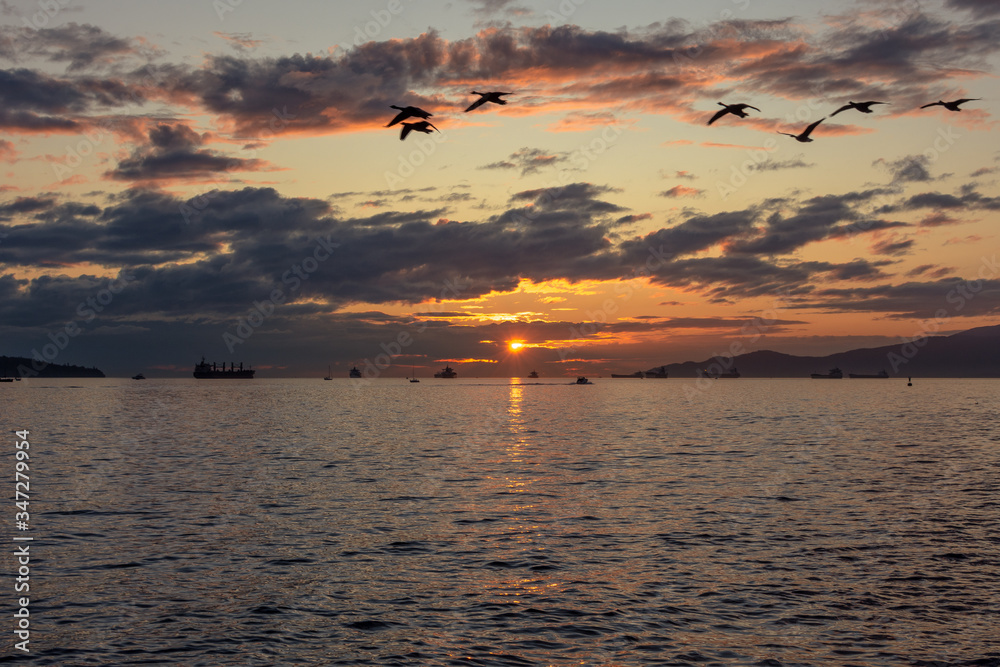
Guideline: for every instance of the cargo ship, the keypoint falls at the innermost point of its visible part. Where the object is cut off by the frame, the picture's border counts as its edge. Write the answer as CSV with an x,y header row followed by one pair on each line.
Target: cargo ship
x,y
207,371
834,374
881,375
446,372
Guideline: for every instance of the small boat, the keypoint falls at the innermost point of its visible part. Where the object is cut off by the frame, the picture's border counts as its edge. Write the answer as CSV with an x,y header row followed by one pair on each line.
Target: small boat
x,y
414,375
446,372
138,376
881,375
582,380
533,375
660,373
637,374
355,373
329,374
834,374
6,379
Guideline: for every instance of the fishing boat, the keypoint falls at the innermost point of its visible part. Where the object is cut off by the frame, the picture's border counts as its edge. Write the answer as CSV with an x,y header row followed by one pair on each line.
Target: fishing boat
x,y
533,375
138,376
446,372
209,371
881,375
834,374
582,380
354,372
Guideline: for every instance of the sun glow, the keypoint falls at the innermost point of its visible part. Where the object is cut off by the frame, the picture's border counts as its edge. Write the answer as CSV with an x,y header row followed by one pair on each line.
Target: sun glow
x,y
515,345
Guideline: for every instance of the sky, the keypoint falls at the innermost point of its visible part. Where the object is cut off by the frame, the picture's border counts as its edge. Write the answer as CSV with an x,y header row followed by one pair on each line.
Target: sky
x,y
215,178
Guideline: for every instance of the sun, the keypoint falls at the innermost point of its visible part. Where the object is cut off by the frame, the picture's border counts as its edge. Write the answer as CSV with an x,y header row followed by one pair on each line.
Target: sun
x,y
515,345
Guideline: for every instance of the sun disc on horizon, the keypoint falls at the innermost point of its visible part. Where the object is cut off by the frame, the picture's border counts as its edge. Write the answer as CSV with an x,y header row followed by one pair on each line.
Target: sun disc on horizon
x,y
515,345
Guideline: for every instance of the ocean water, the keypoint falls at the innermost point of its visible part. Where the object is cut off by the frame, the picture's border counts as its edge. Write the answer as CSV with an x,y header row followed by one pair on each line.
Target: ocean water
x,y
497,522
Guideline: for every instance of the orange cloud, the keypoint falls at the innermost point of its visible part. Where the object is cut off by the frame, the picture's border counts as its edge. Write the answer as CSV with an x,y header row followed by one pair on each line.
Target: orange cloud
x,y
682,191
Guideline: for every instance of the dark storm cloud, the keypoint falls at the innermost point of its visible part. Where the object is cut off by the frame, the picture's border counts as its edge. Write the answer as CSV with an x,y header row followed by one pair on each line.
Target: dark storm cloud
x,y
26,205
969,199
776,165
561,208
729,278
860,270
951,297
529,160
34,102
893,247
981,8
80,46
816,219
644,68
909,169
241,244
173,153
149,227
715,322
694,234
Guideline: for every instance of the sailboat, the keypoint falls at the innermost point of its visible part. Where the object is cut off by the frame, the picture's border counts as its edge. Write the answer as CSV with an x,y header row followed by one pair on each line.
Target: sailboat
x,y
414,378
329,373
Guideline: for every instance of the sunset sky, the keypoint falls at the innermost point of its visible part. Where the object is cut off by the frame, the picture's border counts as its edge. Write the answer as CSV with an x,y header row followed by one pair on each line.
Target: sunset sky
x,y
215,178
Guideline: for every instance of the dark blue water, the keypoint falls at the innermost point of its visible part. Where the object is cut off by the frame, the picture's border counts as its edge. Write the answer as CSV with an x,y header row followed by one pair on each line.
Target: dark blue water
x,y
749,522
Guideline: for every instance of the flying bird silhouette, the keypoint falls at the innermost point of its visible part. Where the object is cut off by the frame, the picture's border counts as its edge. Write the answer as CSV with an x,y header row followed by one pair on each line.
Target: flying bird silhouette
x,y
863,107
408,112
735,109
804,135
487,97
419,126
951,106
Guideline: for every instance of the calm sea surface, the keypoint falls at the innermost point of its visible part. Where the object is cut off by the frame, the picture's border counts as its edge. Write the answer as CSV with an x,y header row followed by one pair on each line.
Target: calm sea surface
x,y
495,522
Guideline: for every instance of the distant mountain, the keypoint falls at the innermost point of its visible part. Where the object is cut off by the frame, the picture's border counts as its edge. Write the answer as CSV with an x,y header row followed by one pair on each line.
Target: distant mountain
x,y
973,354
26,367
